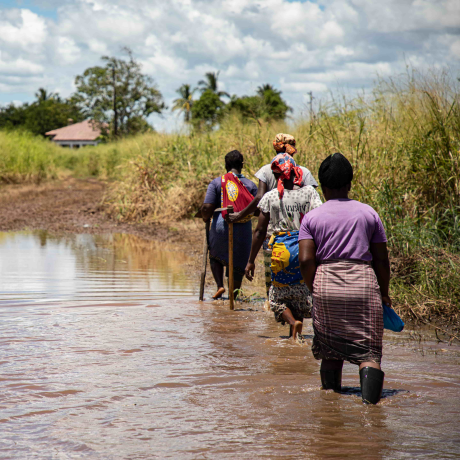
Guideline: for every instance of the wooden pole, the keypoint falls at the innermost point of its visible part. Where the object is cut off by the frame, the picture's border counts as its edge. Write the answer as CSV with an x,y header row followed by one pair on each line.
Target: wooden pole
x,y
230,261
205,260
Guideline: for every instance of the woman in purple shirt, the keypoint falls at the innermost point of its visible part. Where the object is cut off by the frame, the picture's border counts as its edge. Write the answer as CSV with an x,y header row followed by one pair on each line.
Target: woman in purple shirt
x,y
344,262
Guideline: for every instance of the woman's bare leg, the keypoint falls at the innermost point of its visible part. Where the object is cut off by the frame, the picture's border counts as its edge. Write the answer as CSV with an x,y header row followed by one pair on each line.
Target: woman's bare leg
x,y
296,326
218,273
370,364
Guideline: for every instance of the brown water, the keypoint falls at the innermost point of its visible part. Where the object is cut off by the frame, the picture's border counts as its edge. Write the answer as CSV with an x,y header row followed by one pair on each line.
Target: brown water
x,y
106,354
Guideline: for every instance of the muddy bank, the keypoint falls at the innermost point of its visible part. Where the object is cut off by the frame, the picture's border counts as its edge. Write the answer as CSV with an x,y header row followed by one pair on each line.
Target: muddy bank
x,y
74,206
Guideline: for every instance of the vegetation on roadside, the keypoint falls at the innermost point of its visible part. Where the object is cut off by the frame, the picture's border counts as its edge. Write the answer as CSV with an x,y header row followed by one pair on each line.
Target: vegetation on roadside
x,y
403,141
26,158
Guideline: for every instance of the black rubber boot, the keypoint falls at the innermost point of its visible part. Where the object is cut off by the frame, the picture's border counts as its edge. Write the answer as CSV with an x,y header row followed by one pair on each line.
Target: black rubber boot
x,y
332,380
371,384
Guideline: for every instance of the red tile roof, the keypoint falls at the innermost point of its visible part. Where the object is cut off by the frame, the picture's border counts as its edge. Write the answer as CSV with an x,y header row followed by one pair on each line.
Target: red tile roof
x,y
84,131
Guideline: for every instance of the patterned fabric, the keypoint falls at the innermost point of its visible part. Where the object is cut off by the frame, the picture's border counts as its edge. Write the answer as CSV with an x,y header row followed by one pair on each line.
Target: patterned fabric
x,y
285,265
218,234
347,312
284,143
297,298
284,164
267,252
265,174
235,194
287,214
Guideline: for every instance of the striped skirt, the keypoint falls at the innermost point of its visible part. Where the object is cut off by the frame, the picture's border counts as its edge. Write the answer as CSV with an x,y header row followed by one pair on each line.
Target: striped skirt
x,y
347,312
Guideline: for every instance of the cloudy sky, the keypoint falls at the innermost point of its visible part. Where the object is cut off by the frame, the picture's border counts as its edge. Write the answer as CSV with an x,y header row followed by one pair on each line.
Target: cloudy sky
x,y
297,46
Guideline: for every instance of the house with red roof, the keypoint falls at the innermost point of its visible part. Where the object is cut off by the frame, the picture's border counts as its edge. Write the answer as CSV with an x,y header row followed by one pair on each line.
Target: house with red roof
x,y
76,134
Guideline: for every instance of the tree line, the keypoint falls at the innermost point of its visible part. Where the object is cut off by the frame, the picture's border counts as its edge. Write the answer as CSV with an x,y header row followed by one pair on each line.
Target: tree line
x,y
119,97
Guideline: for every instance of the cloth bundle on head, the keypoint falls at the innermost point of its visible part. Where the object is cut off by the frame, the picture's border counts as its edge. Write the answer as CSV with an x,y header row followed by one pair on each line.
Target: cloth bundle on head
x,y
284,164
335,171
284,143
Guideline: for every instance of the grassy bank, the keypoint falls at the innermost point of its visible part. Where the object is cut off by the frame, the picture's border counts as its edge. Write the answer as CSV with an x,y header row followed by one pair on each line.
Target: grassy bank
x,y
403,141
25,158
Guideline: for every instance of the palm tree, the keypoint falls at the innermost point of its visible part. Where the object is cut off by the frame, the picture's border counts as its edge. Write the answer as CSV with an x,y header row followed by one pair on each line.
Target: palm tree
x,y
211,84
185,101
42,95
266,87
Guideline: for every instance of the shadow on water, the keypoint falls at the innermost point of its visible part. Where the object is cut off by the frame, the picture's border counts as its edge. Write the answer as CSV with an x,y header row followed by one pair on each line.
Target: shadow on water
x,y
356,391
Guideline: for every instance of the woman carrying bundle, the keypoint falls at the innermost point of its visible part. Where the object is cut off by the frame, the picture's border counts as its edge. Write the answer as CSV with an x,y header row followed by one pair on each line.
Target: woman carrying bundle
x,y
283,209
344,262
283,143
232,188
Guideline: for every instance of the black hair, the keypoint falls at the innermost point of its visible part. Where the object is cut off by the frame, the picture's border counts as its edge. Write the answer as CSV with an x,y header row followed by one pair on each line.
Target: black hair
x,y
234,160
335,171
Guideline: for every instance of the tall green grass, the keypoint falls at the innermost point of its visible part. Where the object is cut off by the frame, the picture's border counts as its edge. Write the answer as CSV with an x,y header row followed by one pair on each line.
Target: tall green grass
x,y
26,158
403,140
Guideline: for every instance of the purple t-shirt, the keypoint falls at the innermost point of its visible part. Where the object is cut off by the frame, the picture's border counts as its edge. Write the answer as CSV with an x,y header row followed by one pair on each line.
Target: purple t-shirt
x,y
215,189
343,229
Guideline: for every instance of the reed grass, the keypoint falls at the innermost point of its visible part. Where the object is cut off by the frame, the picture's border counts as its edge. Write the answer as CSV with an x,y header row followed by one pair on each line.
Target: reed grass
x,y
25,158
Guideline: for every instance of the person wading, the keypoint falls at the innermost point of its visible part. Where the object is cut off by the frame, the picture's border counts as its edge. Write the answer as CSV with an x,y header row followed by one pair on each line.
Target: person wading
x,y
218,235
283,143
283,209
344,262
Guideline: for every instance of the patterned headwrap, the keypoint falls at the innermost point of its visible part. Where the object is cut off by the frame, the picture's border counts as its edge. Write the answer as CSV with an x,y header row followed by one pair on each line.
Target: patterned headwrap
x,y
284,164
284,143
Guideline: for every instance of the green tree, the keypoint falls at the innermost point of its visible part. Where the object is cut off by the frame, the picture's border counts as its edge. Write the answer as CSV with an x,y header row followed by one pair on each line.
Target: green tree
x,y
211,83
12,116
207,110
185,102
42,95
48,112
274,106
118,95
266,87
266,105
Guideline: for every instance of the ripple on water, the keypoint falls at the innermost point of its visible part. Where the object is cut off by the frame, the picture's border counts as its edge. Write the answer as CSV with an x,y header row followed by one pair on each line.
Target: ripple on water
x,y
104,353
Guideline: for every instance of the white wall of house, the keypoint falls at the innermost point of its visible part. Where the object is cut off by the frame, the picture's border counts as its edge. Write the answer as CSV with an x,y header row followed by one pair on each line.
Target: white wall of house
x,y
75,144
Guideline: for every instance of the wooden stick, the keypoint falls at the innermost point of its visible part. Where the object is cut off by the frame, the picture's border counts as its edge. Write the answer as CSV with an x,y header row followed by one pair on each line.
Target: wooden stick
x,y
205,261
230,261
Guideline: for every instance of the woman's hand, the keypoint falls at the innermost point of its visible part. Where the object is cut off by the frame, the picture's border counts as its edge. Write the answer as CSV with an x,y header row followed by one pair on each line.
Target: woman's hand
x,y
386,300
232,218
249,271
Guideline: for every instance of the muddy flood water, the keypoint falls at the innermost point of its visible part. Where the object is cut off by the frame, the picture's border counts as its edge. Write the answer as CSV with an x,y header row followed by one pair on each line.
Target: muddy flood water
x,y
105,353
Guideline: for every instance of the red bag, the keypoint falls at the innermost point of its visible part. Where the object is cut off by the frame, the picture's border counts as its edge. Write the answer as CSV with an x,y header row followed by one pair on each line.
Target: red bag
x,y
234,193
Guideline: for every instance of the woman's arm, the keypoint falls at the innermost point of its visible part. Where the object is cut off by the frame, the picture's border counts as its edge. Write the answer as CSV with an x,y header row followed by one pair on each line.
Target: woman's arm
x,y
207,210
307,259
258,238
381,265
251,207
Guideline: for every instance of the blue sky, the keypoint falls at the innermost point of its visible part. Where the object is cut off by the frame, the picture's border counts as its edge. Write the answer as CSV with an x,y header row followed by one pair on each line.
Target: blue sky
x,y
39,8
297,46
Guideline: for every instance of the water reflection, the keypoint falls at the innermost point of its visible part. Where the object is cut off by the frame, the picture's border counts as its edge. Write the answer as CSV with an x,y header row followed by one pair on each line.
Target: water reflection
x,y
38,267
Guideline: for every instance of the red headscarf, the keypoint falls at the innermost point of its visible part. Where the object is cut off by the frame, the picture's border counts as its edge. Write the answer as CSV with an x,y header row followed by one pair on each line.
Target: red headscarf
x,y
284,143
284,164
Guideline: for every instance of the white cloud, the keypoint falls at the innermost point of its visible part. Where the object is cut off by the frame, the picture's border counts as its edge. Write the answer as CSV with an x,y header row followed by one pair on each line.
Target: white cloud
x,y
17,68
296,46
22,28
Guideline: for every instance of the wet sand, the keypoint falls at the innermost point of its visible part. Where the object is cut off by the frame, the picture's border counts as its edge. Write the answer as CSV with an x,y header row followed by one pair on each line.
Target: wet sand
x,y
106,354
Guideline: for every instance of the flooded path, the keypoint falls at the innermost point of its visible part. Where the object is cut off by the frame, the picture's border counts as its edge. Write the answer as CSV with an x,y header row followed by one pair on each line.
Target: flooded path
x,y
106,354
